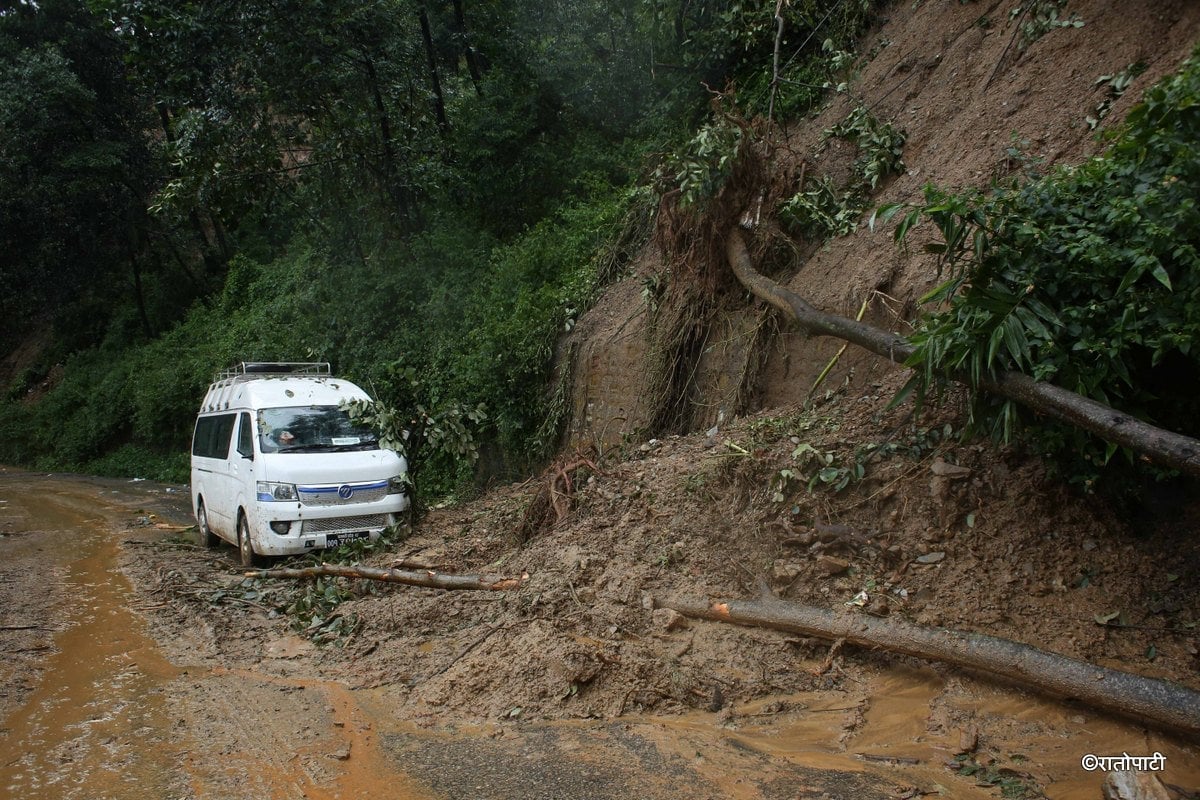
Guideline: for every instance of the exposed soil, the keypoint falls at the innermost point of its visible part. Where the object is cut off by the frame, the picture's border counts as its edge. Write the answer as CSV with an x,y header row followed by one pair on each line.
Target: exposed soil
x,y
978,103
995,547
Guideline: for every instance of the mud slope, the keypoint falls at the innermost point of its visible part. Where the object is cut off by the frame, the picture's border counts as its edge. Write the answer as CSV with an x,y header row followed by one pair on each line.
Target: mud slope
x,y
966,87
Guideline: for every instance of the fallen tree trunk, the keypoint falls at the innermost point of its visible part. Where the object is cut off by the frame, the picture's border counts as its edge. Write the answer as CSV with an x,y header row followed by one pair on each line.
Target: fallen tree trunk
x,y
1163,447
426,578
1162,702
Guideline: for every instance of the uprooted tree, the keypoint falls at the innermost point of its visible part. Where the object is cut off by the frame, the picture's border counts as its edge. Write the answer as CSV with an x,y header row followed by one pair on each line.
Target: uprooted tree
x,y
1166,448
1166,704
1069,303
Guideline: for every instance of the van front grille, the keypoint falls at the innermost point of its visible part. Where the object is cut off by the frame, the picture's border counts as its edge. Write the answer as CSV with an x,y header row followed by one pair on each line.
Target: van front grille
x,y
362,523
335,495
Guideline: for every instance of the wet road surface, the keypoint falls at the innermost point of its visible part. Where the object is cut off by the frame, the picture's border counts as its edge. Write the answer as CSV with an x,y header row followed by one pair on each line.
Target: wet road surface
x,y
92,708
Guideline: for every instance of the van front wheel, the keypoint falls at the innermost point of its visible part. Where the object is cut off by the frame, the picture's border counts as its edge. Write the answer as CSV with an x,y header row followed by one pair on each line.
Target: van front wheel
x,y
204,533
245,547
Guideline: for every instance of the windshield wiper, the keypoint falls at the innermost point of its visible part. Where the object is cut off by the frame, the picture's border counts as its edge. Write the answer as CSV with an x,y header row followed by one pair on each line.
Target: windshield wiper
x,y
329,448
305,448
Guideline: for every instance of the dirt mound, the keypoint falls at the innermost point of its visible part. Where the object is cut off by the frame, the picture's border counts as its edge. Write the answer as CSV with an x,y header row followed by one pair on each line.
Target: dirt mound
x,y
901,521
924,527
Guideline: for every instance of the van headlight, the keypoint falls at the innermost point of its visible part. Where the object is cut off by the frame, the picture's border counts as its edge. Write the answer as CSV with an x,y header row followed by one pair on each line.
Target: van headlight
x,y
398,484
269,491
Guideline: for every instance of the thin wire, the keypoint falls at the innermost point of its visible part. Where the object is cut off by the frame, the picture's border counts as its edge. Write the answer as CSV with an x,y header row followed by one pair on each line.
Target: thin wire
x,y
804,44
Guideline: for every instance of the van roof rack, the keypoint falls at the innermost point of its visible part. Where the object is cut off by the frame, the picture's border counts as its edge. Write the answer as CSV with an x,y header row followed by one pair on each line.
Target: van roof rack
x,y
247,370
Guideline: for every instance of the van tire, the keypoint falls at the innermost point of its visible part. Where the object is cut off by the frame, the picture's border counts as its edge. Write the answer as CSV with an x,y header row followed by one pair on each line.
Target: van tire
x,y
246,553
204,533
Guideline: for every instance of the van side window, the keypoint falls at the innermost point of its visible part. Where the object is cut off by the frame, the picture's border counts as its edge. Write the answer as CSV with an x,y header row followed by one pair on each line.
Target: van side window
x,y
245,437
212,436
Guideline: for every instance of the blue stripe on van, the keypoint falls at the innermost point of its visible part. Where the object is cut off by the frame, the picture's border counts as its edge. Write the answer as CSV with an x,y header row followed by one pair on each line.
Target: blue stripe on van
x,y
333,489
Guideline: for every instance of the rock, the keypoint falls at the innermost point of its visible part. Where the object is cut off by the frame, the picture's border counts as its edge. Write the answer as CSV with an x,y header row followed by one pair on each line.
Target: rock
x,y
945,469
931,558
667,620
717,700
968,741
1130,785
879,606
830,566
341,755
785,571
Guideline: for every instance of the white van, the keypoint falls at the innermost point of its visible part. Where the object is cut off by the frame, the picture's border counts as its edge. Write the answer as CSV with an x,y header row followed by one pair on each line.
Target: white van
x,y
278,468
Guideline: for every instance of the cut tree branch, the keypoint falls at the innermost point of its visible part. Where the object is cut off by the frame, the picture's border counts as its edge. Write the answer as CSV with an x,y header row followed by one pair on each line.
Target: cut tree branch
x,y
426,578
1163,447
1162,702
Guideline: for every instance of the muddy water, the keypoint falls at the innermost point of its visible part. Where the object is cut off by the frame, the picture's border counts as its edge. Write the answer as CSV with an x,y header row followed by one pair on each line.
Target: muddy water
x,y
94,726
907,725
104,714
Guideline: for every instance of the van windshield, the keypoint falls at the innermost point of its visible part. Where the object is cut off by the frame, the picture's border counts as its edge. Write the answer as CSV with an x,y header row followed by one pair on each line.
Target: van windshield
x,y
311,429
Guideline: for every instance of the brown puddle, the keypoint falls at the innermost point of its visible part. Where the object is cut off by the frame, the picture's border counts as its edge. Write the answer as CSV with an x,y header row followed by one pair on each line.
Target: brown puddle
x,y
100,721
93,727
912,729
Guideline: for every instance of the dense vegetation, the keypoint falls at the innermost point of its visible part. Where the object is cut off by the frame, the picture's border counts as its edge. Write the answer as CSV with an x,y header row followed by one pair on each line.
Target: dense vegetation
x,y
427,194
1088,277
422,192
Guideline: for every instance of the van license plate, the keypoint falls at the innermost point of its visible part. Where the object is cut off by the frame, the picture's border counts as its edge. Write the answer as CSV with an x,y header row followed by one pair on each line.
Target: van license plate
x,y
339,539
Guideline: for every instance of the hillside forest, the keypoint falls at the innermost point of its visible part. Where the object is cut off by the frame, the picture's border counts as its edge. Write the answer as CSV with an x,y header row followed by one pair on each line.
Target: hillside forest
x,y
431,194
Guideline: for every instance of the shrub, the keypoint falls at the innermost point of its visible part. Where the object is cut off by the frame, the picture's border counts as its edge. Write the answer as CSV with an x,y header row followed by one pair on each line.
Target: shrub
x,y
1088,277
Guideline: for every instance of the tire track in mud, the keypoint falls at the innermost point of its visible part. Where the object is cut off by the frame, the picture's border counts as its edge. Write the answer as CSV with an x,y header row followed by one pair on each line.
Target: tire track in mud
x,y
257,735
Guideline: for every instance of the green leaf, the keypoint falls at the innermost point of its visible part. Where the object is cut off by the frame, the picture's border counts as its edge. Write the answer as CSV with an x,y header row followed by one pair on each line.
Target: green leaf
x,y
905,391
1160,274
938,293
884,214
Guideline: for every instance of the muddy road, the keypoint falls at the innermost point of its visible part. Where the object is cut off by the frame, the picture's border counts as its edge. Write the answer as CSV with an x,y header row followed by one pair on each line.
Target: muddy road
x,y
111,690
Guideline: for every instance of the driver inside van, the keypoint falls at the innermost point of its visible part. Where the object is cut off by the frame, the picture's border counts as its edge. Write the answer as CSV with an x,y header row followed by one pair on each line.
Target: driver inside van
x,y
285,438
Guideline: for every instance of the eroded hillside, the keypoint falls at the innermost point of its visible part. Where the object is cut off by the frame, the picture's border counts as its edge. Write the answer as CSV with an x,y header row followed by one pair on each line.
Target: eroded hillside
x,y
834,500
980,97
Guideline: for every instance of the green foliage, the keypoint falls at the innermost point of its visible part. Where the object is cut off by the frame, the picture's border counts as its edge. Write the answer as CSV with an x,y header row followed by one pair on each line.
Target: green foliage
x,y
706,161
1089,278
825,210
816,51
880,145
72,134
822,468
1116,84
1014,784
1039,17
822,211
446,434
313,610
299,180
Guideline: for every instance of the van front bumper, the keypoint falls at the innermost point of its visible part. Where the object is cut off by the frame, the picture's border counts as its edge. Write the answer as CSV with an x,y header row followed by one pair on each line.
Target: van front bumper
x,y
306,528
